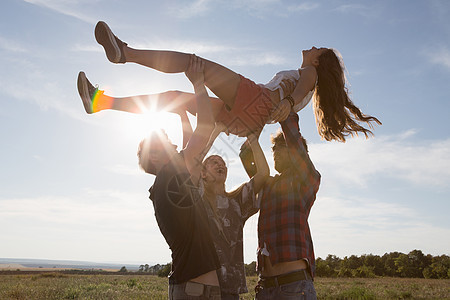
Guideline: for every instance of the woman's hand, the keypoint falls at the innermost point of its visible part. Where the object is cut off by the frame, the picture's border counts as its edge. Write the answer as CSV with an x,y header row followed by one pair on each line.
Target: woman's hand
x,y
281,112
195,70
288,86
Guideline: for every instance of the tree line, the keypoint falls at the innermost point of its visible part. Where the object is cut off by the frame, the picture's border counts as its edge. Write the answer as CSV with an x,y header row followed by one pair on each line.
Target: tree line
x,y
160,270
415,264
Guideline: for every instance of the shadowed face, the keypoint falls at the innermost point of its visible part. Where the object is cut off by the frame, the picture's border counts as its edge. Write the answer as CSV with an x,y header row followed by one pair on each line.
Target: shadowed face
x,y
311,56
153,157
281,157
214,169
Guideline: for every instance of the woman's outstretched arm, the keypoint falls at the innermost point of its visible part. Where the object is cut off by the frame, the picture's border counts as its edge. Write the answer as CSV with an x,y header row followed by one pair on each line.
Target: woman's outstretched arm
x,y
294,93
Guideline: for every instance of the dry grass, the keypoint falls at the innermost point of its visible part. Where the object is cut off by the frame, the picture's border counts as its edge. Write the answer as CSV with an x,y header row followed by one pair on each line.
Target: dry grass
x,y
382,288
57,285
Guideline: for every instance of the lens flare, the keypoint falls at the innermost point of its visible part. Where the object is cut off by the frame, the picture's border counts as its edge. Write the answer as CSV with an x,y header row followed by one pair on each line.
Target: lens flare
x,y
96,100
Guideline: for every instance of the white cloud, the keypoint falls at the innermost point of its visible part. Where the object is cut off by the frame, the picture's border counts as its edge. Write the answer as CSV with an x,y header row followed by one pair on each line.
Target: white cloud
x,y
229,55
345,227
258,59
185,46
439,56
87,48
196,8
127,170
257,8
353,214
269,8
398,156
11,46
93,226
358,9
31,83
66,7
307,6
102,207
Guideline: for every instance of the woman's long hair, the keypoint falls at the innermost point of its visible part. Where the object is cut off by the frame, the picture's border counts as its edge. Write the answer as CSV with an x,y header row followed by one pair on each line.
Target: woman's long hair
x,y
336,115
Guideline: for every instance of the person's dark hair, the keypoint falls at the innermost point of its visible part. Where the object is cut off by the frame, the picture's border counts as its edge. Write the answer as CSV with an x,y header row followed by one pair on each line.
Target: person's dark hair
x,y
231,194
336,115
205,161
278,140
156,137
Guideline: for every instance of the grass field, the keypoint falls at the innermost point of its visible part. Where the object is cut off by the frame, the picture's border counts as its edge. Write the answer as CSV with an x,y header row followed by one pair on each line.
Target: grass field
x,y
63,286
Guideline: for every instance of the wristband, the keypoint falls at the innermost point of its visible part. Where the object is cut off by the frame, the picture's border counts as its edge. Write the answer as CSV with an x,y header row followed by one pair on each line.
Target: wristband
x,y
290,99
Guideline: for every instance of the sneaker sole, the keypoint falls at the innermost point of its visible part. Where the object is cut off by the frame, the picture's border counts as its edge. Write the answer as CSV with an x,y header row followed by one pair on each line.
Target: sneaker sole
x,y
84,92
105,37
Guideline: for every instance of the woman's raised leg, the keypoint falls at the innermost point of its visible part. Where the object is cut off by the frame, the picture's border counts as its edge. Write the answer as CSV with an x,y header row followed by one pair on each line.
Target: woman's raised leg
x,y
94,100
222,81
172,101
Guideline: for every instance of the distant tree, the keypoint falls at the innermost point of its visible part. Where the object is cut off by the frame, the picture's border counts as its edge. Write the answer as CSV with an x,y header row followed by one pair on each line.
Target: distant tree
x,y
123,270
419,262
165,270
439,268
146,268
323,269
394,264
375,262
349,265
333,262
141,268
345,272
353,262
364,272
154,269
404,266
388,259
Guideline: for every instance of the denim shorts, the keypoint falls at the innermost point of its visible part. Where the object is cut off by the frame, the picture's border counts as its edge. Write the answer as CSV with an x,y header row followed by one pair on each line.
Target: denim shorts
x,y
302,289
193,291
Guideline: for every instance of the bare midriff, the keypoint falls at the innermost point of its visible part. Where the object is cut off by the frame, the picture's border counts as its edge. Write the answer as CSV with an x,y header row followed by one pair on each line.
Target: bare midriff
x,y
209,278
282,268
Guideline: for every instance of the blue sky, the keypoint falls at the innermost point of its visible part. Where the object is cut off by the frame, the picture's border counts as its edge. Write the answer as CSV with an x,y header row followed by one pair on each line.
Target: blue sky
x,y
70,187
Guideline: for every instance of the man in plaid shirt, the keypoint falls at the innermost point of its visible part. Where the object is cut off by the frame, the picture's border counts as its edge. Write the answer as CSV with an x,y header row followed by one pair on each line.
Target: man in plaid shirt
x,y
286,261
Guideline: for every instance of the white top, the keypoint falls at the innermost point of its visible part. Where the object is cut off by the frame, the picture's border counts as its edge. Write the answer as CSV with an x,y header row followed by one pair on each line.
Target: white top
x,y
293,75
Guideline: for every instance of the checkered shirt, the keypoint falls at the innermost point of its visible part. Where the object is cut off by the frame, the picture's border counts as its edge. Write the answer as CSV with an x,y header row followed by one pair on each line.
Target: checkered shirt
x,y
286,201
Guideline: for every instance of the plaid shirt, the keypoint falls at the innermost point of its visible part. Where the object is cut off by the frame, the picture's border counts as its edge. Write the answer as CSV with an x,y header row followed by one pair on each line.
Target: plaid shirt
x,y
286,201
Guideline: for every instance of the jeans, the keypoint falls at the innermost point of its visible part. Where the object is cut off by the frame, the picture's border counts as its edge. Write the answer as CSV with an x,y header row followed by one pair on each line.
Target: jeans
x,y
302,289
193,291
226,296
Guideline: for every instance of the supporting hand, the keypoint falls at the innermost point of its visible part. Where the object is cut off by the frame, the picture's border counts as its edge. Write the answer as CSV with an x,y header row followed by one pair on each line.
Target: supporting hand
x,y
195,70
281,112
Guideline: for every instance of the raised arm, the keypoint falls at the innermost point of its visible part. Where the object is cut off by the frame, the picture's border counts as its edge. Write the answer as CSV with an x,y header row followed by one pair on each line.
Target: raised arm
x,y
294,93
297,151
194,151
262,168
186,127
247,160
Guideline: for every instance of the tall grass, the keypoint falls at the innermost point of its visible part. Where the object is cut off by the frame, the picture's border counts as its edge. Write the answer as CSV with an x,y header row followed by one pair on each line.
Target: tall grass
x,y
64,286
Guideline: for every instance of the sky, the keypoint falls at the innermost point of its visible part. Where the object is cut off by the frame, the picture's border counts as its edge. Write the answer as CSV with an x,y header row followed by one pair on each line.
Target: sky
x,y
70,186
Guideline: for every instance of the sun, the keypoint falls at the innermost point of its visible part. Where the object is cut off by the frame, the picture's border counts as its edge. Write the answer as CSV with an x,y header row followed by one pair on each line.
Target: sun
x,y
137,127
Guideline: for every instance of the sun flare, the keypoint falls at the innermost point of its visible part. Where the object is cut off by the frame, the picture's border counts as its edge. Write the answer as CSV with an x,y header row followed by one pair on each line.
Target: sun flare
x,y
138,127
